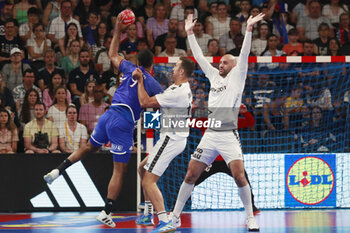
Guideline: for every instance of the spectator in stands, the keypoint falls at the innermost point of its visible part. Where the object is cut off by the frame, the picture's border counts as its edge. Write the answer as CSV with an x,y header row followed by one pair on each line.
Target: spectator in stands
x,y
272,50
274,112
51,11
333,11
28,83
200,104
71,34
9,134
91,29
9,41
343,33
101,36
219,25
45,73
213,48
129,45
26,112
181,27
259,44
254,11
13,72
178,11
58,25
201,37
238,41
159,44
293,106
57,112
78,76
38,44
212,12
102,60
226,41
315,137
322,41
339,114
72,134
309,48
334,47
6,96
262,91
244,10
82,12
320,97
156,25
170,48
20,11
49,93
40,135
113,85
145,12
26,29
300,10
88,95
6,13
307,26
71,61
280,26
91,112
293,48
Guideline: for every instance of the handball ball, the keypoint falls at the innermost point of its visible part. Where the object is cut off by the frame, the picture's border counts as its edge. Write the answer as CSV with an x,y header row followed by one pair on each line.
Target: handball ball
x,y
128,17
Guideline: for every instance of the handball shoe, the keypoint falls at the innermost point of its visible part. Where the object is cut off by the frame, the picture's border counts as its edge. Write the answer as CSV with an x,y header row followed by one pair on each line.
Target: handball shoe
x,y
51,176
106,219
164,227
251,224
145,220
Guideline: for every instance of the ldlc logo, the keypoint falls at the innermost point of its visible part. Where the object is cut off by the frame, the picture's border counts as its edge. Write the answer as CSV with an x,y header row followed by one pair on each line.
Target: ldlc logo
x,y
310,180
151,120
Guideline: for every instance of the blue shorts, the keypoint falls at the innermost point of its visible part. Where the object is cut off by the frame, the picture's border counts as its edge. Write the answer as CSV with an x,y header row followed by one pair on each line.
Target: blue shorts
x,y
114,127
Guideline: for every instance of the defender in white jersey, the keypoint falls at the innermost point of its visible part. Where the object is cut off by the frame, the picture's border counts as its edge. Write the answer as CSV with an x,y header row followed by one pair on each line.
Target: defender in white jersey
x,y
175,105
226,88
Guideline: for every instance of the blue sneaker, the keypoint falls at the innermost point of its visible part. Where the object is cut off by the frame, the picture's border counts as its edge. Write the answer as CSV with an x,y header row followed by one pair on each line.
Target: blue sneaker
x,y
145,220
164,227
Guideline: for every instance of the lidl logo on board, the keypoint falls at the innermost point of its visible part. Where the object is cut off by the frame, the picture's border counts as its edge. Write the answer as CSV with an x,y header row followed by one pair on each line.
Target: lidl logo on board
x,y
310,180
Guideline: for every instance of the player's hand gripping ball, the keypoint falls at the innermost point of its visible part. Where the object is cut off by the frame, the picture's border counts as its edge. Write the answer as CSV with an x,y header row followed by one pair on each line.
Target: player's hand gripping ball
x,y
128,17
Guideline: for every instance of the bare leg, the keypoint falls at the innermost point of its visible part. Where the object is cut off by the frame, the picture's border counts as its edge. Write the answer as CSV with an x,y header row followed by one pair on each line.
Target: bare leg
x,y
116,182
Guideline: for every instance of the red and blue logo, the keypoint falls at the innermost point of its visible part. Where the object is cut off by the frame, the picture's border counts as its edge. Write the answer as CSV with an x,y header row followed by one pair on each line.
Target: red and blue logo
x,y
310,180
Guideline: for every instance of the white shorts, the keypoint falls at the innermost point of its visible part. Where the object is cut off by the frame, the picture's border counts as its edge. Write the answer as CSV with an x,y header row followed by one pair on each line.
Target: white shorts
x,y
214,143
165,150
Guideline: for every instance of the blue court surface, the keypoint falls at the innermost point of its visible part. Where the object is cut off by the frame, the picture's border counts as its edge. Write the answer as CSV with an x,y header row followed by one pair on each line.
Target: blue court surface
x,y
274,221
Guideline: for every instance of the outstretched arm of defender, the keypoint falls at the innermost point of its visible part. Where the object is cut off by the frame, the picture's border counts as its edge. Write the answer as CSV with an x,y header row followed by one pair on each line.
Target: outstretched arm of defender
x,y
196,50
145,100
113,50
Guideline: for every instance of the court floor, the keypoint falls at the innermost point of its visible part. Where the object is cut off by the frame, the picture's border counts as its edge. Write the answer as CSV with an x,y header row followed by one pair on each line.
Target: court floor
x,y
274,221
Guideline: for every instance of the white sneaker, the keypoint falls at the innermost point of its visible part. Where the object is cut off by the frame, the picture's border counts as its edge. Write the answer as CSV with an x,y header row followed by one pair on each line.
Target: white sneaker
x,y
106,219
175,221
251,224
51,176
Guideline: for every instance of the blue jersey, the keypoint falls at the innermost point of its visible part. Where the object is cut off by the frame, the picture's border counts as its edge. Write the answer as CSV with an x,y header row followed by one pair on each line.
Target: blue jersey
x,y
126,94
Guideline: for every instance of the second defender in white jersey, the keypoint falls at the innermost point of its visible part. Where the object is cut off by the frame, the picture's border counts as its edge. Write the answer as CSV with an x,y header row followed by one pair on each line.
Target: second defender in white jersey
x,y
175,105
226,88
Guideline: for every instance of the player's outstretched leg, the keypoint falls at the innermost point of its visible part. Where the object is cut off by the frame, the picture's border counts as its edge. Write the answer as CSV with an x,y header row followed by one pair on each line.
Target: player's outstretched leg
x,y
114,187
237,169
74,157
146,218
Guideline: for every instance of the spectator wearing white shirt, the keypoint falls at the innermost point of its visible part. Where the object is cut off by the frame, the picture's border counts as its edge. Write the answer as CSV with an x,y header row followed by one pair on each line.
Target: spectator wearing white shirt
x,y
178,11
201,37
170,48
58,25
38,44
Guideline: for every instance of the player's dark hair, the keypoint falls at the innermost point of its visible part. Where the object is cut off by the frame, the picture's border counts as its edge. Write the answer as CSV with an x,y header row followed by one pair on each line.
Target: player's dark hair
x,y
188,66
145,58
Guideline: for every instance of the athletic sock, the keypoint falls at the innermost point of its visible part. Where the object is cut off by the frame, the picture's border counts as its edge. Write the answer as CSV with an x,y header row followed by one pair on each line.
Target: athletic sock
x,y
64,165
148,208
162,216
109,206
245,195
184,194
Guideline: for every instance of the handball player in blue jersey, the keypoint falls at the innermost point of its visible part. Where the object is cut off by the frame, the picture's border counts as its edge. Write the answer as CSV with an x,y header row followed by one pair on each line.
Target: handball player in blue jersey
x,y
118,123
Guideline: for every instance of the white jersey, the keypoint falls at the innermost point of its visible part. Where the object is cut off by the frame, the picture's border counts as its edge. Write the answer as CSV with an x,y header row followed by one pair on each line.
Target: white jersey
x,y
175,104
225,94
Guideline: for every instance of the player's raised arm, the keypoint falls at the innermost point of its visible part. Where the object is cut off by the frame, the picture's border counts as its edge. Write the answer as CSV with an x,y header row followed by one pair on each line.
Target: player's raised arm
x,y
145,100
196,50
243,56
113,50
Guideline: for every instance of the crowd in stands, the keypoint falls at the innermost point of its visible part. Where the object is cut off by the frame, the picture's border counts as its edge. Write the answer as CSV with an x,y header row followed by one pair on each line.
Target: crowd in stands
x,y
56,78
